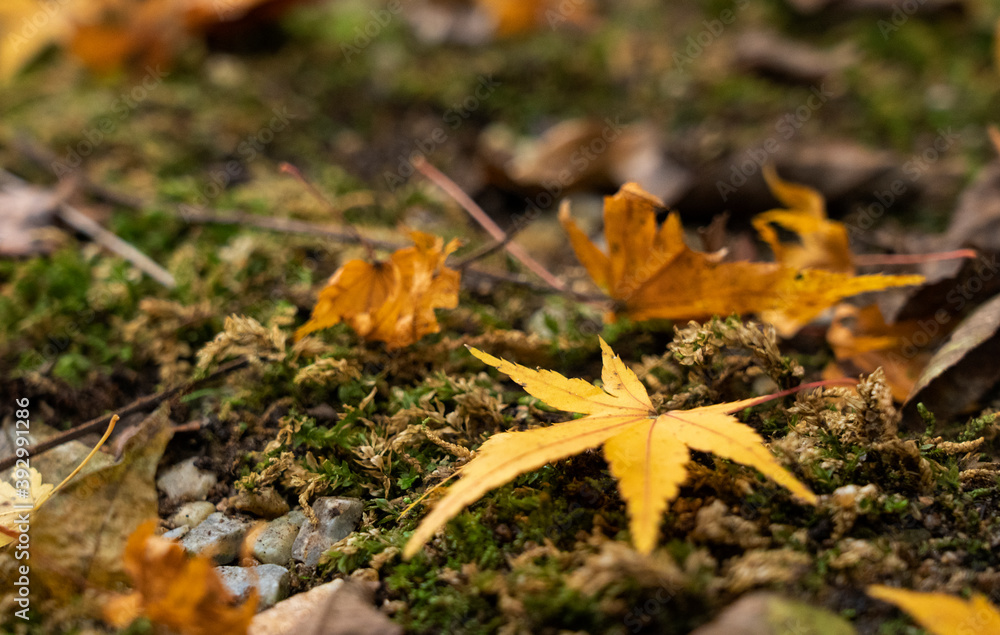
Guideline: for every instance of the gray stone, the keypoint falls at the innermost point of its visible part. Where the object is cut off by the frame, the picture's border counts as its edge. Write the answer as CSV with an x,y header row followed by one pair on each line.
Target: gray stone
x,y
274,544
218,537
192,514
337,517
185,482
270,580
176,534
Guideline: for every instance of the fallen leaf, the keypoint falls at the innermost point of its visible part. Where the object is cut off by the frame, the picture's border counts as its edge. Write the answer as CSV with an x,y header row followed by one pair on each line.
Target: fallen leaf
x,y
392,301
943,614
105,506
862,341
24,210
769,54
847,174
28,27
647,452
27,492
653,274
822,243
176,591
962,370
976,219
582,153
108,34
766,613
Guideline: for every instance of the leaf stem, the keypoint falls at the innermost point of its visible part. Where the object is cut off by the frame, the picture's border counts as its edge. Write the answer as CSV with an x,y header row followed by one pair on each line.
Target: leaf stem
x,y
864,260
783,393
465,201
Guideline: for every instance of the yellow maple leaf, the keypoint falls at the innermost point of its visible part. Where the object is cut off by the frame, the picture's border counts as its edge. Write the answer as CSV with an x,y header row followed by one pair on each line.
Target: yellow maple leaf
x,y
943,614
647,452
822,244
176,591
27,492
28,27
653,274
392,301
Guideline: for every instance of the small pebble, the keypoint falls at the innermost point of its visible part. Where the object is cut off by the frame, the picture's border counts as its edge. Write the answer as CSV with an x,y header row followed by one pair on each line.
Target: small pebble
x,y
185,482
218,537
274,544
270,580
338,518
263,503
176,534
192,514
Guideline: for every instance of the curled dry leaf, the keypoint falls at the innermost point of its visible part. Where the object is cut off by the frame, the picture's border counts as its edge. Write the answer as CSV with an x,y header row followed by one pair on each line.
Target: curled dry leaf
x,y
176,591
653,274
943,614
822,244
647,452
862,341
392,301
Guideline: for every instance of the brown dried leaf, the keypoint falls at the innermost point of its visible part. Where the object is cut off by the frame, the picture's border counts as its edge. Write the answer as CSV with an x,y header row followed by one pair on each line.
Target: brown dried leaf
x,y
24,210
962,370
176,591
391,301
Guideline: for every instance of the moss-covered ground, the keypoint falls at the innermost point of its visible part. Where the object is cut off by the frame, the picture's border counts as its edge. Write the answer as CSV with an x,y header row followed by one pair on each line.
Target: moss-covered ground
x,y
83,333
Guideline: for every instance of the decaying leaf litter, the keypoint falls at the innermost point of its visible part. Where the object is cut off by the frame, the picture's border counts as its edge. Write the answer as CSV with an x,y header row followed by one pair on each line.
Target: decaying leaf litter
x,y
386,402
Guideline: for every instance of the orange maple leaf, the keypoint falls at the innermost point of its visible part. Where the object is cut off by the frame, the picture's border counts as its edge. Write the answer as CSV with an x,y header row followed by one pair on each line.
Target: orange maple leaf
x,y
176,591
823,243
392,301
647,452
520,16
862,341
113,33
107,34
653,274
943,614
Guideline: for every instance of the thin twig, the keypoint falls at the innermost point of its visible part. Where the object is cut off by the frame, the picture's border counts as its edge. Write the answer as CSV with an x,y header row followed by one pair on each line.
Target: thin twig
x,y
865,260
86,225
45,158
844,381
139,405
292,226
92,229
281,225
288,168
489,249
465,201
